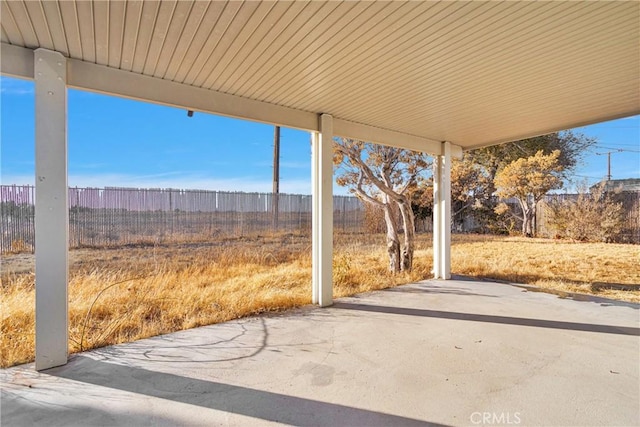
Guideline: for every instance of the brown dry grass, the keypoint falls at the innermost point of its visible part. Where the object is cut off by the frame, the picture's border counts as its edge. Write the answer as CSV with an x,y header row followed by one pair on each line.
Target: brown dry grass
x,y
119,295
602,269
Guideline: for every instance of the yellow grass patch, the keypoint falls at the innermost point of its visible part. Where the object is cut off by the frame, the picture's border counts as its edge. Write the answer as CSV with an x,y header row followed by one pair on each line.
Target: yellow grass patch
x,y
120,295
607,270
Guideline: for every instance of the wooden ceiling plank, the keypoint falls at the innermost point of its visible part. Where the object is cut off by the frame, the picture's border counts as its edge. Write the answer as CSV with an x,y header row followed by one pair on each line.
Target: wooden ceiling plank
x,y
3,35
55,25
306,24
512,77
204,33
101,17
435,82
22,19
159,36
240,42
309,66
39,23
254,60
194,20
147,24
9,25
69,17
373,32
490,65
133,16
117,17
381,60
268,29
422,64
288,26
231,27
308,46
169,44
85,27
203,63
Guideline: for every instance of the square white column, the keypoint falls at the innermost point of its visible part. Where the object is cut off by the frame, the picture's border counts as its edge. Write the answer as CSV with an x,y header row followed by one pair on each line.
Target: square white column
x,y
322,215
52,209
437,224
445,212
442,213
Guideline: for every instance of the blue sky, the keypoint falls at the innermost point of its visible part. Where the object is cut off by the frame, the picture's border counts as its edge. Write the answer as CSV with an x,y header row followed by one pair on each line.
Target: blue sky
x,y
119,142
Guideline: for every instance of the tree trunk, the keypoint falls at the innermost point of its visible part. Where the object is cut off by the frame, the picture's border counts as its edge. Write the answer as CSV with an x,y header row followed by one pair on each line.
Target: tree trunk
x,y
406,263
534,220
527,222
393,243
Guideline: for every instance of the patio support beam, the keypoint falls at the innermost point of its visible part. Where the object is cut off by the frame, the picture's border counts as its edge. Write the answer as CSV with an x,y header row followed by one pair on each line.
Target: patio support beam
x,y
442,213
51,210
322,215
18,62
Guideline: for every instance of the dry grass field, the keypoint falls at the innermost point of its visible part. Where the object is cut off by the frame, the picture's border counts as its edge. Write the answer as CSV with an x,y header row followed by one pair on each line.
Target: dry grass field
x,y
123,294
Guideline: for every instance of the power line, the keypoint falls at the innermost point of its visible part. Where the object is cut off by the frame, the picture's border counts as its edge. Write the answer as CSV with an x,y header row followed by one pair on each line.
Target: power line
x,y
585,176
617,148
608,154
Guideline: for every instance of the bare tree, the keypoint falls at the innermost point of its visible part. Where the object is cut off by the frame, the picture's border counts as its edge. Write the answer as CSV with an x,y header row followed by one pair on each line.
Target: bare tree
x,y
384,176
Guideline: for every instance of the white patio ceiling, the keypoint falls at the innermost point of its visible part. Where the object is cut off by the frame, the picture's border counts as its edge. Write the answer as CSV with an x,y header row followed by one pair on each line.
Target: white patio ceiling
x,y
472,73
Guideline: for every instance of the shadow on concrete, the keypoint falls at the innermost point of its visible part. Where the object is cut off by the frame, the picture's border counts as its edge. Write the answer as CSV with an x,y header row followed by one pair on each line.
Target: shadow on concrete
x,y
423,289
20,412
225,397
520,321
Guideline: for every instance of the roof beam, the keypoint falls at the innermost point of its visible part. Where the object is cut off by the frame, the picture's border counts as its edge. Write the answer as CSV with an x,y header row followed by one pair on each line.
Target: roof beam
x,y
18,62
99,78
389,137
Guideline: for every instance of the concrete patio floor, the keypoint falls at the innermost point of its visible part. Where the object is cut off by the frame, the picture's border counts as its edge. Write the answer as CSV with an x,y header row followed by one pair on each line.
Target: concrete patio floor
x,y
459,352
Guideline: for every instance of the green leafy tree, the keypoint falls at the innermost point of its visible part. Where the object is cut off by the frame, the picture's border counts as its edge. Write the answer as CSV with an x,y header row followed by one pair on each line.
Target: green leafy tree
x,y
528,180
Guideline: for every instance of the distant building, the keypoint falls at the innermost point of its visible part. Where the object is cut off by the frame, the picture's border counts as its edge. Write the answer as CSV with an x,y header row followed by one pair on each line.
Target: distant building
x,y
629,184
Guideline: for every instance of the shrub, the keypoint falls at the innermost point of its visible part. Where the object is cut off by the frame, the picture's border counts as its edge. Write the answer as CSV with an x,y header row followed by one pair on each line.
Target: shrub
x,y
593,215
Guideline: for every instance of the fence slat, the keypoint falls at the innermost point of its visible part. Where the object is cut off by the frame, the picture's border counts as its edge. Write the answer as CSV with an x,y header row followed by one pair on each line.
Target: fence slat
x,y
116,216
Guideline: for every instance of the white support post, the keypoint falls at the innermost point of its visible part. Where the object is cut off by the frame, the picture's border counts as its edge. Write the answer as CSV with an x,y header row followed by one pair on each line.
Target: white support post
x,y
322,222
445,214
442,213
315,217
52,210
437,224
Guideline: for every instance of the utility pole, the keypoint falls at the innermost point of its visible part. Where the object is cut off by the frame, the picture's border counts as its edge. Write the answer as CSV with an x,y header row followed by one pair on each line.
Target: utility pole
x,y
608,154
276,175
